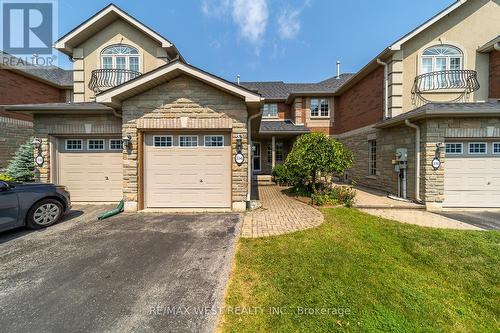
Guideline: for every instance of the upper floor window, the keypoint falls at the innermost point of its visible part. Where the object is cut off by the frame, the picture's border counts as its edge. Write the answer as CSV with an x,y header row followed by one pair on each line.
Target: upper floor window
x,y
441,58
120,57
320,108
270,110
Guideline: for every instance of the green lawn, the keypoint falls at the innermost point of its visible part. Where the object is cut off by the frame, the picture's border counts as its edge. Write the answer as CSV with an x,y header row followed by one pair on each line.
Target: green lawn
x,y
391,277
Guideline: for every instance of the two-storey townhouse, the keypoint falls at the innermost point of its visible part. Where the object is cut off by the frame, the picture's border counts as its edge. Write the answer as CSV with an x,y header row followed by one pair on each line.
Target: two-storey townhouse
x,y
144,125
148,127
23,83
423,117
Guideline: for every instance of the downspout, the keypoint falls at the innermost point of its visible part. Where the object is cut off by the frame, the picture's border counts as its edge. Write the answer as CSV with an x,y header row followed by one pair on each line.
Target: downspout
x,y
249,141
386,87
417,158
116,114
497,46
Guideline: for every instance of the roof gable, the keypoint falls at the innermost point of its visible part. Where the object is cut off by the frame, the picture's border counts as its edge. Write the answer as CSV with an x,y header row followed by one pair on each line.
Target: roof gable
x,y
102,19
165,73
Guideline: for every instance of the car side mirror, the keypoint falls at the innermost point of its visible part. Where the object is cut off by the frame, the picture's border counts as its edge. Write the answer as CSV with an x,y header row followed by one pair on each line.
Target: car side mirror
x,y
4,186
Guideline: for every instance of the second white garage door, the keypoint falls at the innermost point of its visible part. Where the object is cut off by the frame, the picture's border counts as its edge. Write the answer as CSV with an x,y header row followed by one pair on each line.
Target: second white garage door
x,y
187,170
472,175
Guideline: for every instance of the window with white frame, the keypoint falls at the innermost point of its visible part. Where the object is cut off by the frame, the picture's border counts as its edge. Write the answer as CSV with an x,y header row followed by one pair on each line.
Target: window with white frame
x,y
188,141
478,148
74,144
372,157
214,140
454,148
120,57
95,144
496,147
279,151
115,144
270,110
319,107
163,141
440,58
269,153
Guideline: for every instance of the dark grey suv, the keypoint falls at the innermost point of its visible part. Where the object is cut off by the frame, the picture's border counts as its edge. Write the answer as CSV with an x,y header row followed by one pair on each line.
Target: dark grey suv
x,y
33,205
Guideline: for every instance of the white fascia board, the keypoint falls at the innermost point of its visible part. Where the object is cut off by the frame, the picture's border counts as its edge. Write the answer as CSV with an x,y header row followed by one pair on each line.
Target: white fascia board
x,y
397,45
61,44
108,97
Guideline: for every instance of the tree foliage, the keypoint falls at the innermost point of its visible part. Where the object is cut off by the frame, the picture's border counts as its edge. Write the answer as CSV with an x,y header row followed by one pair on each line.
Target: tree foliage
x,y
315,154
22,167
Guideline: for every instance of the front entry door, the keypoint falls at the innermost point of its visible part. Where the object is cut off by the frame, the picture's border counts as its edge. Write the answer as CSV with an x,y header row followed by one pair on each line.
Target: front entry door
x,y
256,156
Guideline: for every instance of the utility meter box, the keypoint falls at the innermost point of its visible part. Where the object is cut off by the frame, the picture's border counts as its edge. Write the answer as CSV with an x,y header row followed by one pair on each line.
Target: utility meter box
x,y
401,155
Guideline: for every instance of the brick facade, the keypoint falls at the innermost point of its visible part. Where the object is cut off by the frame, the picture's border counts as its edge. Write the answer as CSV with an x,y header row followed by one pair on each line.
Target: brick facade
x,y
361,105
184,97
494,87
18,89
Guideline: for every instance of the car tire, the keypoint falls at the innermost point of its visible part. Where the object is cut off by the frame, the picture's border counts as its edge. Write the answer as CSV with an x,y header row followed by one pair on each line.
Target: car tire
x,y
44,213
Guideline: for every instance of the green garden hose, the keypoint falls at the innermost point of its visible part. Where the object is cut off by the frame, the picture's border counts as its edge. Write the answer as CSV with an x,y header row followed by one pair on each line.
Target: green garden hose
x,y
112,212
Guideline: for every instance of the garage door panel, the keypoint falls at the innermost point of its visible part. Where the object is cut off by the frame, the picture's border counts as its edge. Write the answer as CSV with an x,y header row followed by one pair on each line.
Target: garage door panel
x,y
196,177
472,181
91,176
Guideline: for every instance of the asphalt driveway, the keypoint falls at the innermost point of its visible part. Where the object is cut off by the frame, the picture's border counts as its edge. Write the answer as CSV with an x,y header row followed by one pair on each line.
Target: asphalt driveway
x,y
484,220
141,272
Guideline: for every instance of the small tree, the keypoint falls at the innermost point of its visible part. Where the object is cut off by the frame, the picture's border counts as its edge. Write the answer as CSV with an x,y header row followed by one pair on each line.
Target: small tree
x,y
22,167
314,154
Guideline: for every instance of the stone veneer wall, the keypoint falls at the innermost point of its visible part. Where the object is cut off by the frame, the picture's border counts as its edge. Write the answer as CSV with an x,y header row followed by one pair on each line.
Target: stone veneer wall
x,y
49,126
433,131
387,143
184,97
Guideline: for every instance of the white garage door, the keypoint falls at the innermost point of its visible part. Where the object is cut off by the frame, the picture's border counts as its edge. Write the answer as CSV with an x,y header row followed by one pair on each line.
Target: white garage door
x,y
91,168
472,174
187,170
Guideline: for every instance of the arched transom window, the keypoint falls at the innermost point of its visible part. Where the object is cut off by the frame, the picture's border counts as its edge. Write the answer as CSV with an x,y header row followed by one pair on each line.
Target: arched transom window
x,y
441,58
120,57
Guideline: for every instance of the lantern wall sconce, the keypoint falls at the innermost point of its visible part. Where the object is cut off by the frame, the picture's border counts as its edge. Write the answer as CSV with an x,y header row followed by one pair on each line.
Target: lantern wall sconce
x,y
127,142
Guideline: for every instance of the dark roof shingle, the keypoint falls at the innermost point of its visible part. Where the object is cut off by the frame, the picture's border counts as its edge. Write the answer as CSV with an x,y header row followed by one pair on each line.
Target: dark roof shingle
x,y
52,74
282,126
279,90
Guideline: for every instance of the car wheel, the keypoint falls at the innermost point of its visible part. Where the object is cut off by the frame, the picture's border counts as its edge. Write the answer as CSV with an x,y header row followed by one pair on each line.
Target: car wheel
x,y
44,213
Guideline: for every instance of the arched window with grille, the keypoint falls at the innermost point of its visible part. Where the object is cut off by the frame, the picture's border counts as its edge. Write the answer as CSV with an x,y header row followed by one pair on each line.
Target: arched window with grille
x,y
120,56
445,61
440,58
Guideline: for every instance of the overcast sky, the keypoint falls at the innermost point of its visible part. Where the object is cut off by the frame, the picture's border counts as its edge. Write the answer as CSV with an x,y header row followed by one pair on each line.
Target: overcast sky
x,y
267,40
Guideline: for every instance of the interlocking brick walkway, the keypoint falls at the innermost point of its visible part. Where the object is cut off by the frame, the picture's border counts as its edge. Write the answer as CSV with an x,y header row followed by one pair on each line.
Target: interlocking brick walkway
x,y
280,214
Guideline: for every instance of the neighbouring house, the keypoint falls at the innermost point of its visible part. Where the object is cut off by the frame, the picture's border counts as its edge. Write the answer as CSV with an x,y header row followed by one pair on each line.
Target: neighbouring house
x,y
22,83
163,134
423,117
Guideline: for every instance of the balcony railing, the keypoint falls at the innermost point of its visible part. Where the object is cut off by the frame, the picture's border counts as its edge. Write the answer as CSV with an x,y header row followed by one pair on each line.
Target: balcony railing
x,y
103,79
459,83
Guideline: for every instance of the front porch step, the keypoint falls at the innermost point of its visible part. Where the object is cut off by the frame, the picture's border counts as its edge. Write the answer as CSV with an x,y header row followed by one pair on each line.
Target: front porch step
x,y
263,180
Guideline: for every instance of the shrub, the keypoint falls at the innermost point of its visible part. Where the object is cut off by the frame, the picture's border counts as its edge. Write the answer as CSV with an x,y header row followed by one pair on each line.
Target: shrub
x,y
313,155
334,196
5,178
22,167
282,175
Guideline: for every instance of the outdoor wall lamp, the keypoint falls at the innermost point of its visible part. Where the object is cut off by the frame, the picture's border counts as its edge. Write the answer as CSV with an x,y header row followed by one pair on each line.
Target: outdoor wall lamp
x,y
127,141
37,143
239,144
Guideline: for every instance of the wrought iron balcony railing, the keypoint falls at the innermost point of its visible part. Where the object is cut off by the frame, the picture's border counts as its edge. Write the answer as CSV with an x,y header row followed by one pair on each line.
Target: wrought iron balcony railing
x,y
460,83
103,79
